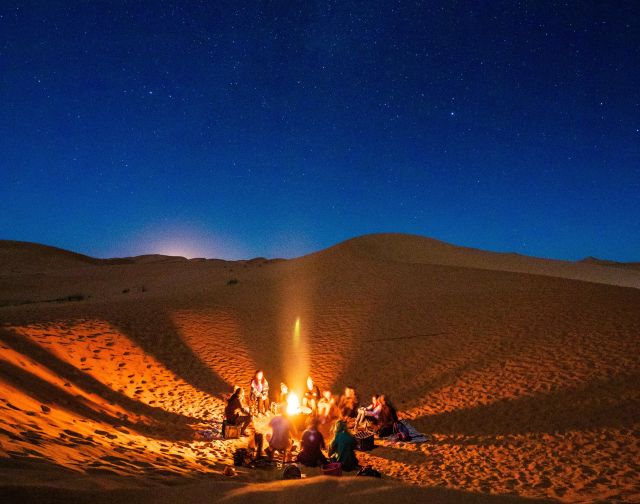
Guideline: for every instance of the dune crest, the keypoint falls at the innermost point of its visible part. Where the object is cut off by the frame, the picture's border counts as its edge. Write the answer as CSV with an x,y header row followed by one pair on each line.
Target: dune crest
x,y
421,250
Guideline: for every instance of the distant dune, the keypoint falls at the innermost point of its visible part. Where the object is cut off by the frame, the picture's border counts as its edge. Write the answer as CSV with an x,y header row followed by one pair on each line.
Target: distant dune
x,y
614,264
523,372
22,257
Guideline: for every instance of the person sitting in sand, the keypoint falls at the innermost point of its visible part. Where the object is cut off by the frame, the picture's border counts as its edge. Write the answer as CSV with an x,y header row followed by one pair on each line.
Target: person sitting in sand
x,y
348,404
235,413
283,395
342,448
327,409
312,444
388,417
282,430
311,396
369,413
280,405
259,395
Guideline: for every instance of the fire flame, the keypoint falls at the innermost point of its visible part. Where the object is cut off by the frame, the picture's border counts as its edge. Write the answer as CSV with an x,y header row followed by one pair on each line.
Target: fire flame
x,y
293,404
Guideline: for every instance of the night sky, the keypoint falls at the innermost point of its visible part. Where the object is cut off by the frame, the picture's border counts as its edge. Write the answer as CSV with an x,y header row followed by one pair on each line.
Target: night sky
x,y
241,129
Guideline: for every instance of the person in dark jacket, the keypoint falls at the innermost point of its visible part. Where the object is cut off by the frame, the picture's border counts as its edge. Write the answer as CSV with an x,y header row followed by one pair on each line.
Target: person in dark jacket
x,y
235,413
343,447
388,417
312,444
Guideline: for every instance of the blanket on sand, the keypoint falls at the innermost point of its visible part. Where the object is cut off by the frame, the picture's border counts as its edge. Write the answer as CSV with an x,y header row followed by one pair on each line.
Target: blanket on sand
x,y
415,436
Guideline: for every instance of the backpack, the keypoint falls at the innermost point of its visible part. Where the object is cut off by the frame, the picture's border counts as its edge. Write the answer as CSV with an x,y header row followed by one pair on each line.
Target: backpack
x,y
240,456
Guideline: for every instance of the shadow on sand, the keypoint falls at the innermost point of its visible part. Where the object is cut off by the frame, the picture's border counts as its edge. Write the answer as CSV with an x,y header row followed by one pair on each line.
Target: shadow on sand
x,y
50,394
596,404
345,490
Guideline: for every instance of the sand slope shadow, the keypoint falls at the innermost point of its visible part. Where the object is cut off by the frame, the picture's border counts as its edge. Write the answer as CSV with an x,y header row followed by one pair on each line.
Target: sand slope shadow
x,y
596,404
48,393
335,490
166,345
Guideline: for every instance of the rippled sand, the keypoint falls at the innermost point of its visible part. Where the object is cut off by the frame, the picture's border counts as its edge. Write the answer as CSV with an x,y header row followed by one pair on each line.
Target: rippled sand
x,y
523,372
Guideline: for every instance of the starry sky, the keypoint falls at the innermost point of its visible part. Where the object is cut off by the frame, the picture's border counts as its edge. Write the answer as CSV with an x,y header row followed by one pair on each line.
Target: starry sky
x,y
240,129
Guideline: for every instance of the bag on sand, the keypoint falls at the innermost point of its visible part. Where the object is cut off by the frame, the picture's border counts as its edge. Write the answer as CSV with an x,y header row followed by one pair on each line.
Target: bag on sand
x,y
369,471
291,471
240,456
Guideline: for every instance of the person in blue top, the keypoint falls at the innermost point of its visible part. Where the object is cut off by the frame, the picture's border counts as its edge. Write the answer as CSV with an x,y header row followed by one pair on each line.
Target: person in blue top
x,y
342,448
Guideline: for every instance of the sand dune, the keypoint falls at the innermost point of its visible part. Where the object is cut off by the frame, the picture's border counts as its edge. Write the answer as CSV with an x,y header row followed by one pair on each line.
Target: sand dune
x,y
524,372
416,249
614,264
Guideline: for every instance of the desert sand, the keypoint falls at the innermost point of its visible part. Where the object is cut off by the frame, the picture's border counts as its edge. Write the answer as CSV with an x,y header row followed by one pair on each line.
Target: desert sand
x,y
523,372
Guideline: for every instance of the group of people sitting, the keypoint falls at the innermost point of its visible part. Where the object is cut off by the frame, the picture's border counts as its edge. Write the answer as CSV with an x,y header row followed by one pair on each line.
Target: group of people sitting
x,y
344,413
312,443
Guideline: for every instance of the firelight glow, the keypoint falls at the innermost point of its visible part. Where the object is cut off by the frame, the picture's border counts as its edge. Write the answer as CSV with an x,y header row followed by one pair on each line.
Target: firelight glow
x,y
299,369
293,404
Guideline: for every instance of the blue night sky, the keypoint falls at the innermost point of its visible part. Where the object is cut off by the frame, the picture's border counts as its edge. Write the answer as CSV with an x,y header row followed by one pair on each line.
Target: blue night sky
x,y
238,129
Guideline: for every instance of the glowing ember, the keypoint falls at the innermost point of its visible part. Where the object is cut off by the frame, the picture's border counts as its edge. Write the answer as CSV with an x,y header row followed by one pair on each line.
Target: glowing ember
x,y
293,404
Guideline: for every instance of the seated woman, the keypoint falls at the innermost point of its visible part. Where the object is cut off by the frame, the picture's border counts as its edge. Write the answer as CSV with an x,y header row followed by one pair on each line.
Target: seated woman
x,y
327,409
235,413
343,447
348,404
388,417
370,413
259,395
311,396
312,444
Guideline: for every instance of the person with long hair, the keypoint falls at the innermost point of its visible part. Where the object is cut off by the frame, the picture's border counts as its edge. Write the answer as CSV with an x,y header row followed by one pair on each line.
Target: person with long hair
x,y
259,395
342,448
388,417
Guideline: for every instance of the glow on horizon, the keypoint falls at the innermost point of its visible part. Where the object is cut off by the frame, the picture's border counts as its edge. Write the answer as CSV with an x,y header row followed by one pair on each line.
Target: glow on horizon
x,y
184,240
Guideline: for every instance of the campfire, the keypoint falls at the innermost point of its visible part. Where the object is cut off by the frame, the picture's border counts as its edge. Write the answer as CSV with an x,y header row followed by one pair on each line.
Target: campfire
x,y
293,404
294,407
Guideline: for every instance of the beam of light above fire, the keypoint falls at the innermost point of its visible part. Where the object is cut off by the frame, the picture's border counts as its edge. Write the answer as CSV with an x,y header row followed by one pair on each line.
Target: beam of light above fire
x,y
296,334
298,369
